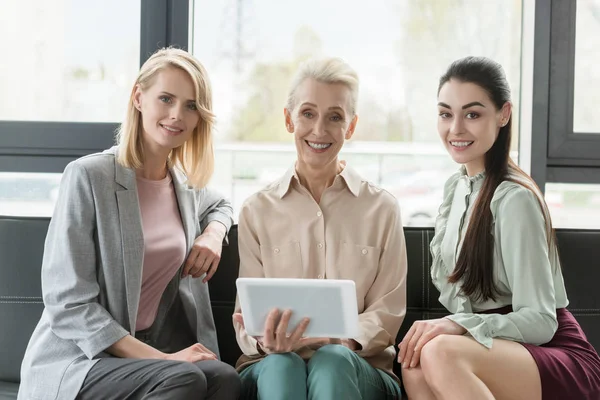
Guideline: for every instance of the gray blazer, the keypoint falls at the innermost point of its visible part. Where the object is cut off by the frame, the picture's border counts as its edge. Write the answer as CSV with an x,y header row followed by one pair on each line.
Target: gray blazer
x,y
92,273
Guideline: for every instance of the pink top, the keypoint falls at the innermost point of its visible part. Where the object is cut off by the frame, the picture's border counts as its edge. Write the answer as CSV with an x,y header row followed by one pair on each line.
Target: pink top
x,y
164,244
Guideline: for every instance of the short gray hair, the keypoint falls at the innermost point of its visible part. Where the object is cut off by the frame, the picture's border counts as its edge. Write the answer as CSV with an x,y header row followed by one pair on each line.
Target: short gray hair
x,y
325,70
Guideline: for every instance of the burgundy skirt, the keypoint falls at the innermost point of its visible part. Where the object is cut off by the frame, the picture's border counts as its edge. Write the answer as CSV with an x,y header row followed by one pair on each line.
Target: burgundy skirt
x,y
569,365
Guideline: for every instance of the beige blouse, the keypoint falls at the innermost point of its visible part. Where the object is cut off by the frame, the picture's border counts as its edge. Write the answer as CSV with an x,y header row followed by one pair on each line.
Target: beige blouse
x,y
354,233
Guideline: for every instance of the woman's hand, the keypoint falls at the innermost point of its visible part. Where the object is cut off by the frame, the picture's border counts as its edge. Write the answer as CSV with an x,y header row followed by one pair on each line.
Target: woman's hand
x,y
275,339
194,353
206,252
419,334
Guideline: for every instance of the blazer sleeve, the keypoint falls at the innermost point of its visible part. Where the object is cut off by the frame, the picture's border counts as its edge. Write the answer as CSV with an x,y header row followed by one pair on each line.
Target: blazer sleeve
x,y
213,207
70,287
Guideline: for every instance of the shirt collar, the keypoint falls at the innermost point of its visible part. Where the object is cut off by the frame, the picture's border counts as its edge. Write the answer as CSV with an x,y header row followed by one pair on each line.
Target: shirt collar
x,y
352,179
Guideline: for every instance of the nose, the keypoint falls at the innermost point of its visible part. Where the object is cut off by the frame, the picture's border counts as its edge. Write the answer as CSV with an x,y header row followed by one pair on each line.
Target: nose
x,y
456,127
320,127
176,112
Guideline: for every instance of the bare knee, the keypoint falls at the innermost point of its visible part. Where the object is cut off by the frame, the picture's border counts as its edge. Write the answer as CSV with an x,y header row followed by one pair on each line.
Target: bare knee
x,y
439,357
442,349
414,383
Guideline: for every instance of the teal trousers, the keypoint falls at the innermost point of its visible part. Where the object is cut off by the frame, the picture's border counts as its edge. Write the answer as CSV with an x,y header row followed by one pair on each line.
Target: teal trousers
x,y
334,372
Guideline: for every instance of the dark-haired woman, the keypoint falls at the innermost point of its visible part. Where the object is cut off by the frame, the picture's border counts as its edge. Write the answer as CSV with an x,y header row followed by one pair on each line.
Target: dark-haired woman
x,y
496,266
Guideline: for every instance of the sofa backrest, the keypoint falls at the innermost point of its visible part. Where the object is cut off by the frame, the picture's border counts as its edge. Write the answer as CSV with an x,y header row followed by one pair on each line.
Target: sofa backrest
x,y
21,250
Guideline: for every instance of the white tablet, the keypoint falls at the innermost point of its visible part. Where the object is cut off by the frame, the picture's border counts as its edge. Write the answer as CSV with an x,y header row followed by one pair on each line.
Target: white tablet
x,y
330,304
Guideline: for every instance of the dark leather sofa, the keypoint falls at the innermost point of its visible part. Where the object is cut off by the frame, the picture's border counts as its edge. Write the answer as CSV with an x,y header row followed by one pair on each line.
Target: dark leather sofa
x,y
21,248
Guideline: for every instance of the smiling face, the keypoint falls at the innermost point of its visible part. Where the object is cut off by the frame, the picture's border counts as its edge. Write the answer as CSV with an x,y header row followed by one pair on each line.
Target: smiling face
x,y
320,121
469,123
168,108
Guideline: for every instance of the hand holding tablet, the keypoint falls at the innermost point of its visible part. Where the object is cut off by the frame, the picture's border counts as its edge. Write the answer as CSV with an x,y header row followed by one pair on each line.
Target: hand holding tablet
x,y
329,305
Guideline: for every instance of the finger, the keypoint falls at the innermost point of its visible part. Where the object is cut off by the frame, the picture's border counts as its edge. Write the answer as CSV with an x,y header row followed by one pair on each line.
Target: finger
x,y
205,349
281,331
303,342
205,357
237,317
299,331
269,336
410,347
199,266
404,343
213,268
191,260
425,338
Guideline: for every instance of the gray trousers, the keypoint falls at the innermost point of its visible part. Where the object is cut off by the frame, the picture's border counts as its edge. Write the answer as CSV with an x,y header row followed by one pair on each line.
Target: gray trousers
x,y
132,379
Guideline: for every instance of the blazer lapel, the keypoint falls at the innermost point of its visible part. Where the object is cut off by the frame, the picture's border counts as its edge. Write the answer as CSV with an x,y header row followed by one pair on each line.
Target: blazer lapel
x,y
132,239
187,207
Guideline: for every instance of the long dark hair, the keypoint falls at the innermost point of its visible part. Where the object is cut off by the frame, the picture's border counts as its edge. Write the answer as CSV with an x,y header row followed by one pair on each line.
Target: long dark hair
x,y
474,266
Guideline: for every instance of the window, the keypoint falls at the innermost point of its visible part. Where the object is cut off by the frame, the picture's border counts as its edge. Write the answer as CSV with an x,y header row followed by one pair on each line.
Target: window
x,y
68,60
574,206
28,194
399,49
587,74
566,39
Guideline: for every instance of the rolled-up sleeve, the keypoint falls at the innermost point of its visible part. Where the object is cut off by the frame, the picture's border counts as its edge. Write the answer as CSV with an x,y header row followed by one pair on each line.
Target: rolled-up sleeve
x,y
385,301
521,233
214,207
69,284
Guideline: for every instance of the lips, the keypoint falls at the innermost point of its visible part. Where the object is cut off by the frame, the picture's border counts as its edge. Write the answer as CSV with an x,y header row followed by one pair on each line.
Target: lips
x,y
170,129
461,144
318,146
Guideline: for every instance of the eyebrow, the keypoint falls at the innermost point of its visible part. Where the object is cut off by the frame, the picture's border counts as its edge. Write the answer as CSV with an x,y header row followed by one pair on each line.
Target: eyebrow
x,y
172,95
471,104
306,103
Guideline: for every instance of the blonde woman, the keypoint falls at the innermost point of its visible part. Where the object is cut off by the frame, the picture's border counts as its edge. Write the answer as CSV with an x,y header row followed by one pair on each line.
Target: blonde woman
x,y
133,240
322,220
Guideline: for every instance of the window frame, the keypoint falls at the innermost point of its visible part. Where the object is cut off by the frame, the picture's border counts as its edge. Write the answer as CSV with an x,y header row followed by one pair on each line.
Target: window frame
x,y
558,154
48,146
564,144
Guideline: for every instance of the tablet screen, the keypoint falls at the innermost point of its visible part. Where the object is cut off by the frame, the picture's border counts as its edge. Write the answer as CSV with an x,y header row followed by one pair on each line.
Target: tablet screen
x,y
330,305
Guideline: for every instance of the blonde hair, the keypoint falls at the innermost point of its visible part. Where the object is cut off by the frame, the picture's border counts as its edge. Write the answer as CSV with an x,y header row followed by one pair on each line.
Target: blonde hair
x,y
325,70
195,157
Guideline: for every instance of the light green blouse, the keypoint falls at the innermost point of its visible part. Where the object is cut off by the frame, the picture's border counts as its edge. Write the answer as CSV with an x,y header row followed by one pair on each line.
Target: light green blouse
x,y
526,271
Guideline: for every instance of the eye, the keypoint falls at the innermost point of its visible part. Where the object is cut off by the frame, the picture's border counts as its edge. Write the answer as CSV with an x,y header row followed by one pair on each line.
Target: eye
x,y
472,115
336,118
165,99
307,114
444,115
192,106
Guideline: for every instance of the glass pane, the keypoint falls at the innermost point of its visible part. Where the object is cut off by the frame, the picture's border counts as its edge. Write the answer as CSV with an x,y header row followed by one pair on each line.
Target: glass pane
x,y
68,60
586,118
574,206
399,49
28,194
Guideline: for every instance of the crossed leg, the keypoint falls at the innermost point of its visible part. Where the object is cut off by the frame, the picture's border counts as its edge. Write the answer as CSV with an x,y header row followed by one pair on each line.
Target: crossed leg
x,y
457,367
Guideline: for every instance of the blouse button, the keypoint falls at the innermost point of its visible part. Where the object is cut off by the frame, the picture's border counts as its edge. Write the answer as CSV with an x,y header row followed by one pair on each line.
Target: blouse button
x,y
320,276
364,251
320,245
319,213
276,251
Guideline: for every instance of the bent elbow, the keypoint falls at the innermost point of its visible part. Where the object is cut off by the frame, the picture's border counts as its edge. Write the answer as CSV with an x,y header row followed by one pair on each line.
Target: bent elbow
x,y
547,329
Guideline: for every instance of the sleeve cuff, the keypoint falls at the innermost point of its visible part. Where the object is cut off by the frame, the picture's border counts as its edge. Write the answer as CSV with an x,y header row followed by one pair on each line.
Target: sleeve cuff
x,y
476,326
223,219
102,339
